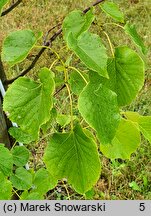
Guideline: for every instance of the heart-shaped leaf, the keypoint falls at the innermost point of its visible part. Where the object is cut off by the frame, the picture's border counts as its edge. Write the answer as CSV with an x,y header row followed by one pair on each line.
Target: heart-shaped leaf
x,y
73,156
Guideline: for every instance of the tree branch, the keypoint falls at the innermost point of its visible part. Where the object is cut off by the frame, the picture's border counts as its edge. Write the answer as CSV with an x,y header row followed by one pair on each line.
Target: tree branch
x,y
11,8
48,32
47,44
60,89
93,5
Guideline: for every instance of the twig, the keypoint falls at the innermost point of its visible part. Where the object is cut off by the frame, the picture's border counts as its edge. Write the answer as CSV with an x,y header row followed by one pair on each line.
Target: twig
x,y
48,32
93,5
11,8
48,43
62,87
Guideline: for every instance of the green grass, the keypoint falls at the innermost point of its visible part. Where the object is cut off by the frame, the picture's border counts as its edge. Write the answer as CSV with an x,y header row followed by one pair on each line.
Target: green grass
x,y
116,176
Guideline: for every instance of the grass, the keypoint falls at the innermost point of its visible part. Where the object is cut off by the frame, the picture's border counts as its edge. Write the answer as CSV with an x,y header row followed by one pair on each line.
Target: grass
x,y
129,179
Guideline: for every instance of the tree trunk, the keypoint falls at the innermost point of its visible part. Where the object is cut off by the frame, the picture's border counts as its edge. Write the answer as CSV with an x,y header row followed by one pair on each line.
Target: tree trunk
x,y
4,123
4,137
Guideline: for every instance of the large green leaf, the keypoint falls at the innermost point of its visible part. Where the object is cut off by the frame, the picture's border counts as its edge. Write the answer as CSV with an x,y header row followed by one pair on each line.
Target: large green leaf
x,y
73,156
6,161
131,31
43,181
2,3
17,45
126,75
98,106
22,179
5,188
144,123
91,51
113,11
77,22
125,142
29,103
129,69
20,155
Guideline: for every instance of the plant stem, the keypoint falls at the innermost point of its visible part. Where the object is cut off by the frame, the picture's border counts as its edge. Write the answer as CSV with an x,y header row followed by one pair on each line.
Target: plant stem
x,y
16,193
66,81
73,68
71,105
11,8
65,186
114,24
53,63
110,44
14,144
57,55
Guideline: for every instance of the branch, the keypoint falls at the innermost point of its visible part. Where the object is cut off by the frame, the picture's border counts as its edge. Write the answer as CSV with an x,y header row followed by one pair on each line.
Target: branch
x,y
47,44
93,5
48,32
60,89
11,8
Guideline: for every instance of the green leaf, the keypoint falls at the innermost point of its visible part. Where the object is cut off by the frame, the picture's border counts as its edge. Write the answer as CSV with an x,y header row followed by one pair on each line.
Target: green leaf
x,y
17,45
43,181
63,120
112,9
59,68
31,196
145,181
129,75
2,3
133,116
77,82
20,155
145,126
134,186
21,136
126,75
29,103
143,122
5,188
77,22
73,156
125,142
91,51
132,32
98,106
6,161
22,179
90,194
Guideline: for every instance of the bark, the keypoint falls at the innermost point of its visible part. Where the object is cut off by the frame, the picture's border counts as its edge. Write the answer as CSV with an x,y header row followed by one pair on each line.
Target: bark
x,y
4,123
4,137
